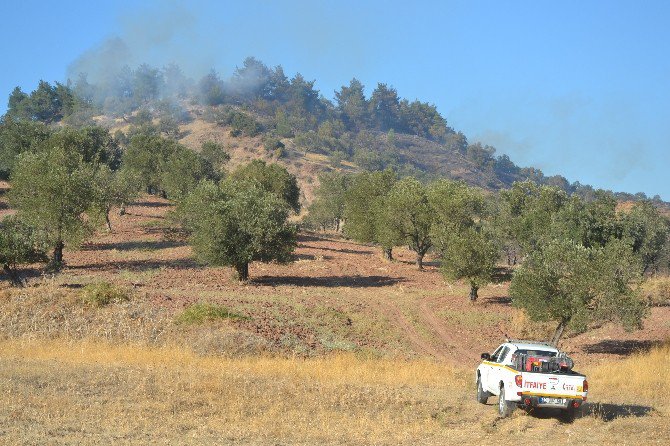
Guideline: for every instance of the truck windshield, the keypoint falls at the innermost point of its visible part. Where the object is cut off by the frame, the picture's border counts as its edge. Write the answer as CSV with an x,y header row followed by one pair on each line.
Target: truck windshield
x,y
536,353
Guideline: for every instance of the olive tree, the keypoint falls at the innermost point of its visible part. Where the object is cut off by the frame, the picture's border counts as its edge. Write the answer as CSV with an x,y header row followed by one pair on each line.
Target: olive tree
x,y
576,286
52,189
233,224
327,209
408,213
364,208
272,178
470,254
19,244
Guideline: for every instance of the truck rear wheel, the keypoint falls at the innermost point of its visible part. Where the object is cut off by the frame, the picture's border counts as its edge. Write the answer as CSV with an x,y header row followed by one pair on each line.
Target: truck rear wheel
x,y
482,395
505,408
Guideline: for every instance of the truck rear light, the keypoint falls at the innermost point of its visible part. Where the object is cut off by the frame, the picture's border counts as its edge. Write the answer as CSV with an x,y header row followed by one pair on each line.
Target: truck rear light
x,y
519,380
527,401
575,404
585,385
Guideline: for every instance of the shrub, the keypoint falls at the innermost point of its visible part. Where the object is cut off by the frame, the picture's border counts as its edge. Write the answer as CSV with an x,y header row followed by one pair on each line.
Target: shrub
x,y
657,291
103,293
272,144
201,312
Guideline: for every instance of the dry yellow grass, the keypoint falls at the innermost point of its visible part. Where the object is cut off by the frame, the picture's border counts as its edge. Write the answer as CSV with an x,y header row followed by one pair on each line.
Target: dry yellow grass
x,y
657,290
58,391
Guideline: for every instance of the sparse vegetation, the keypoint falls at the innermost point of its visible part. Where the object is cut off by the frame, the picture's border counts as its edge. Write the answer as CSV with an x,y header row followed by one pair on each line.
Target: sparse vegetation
x,y
101,294
203,312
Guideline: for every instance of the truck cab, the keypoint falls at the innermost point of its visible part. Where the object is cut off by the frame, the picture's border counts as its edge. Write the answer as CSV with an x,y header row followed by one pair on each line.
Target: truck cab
x,y
531,375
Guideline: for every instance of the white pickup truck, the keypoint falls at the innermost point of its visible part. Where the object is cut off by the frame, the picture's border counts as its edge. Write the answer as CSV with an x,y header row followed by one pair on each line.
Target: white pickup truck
x,y
530,374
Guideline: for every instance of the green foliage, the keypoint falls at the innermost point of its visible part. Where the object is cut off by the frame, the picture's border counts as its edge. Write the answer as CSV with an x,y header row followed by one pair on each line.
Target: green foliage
x,y
577,286
101,294
215,154
169,127
241,122
272,178
182,171
19,244
352,105
46,103
283,125
273,143
648,232
234,224
364,205
145,156
456,205
408,213
17,137
211,90
113,188
52,189
327,209
531,210
164,166
469,254
385,107
466,250
203,312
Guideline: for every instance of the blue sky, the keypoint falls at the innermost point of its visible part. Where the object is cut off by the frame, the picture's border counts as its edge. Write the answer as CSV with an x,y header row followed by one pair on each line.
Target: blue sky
x,y
580,89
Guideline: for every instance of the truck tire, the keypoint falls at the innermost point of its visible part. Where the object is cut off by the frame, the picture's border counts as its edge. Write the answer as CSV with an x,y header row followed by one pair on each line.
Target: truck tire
x,y
482,395
505,408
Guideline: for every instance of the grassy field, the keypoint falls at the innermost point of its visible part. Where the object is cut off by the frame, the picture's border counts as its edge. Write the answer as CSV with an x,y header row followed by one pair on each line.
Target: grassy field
x,y
60,392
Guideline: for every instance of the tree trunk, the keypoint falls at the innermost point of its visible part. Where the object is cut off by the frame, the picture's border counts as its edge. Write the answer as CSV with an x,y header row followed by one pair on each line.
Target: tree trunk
x,y
337,225
107,221
559,332
58,254
473,292
419,261
242,272
388,254
122,209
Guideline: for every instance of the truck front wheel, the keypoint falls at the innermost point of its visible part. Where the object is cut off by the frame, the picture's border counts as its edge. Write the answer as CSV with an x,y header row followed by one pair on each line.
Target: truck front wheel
x,y
482,395
505,408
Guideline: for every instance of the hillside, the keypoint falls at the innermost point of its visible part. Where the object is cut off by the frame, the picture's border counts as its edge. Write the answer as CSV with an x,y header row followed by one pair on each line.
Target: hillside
x,y
339,347
337,296
418,155
259,105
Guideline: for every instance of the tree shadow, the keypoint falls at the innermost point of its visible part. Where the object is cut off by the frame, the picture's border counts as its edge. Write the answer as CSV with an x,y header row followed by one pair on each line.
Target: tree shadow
x,y
3,206
138,265
609,412
432,263
502,274
25,274
135,245
342,250
329,281
498,300
307,237
622,348
151,204
603,411
310,257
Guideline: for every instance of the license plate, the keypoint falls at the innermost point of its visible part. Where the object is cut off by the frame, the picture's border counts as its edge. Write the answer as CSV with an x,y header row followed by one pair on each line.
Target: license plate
x,y
552,401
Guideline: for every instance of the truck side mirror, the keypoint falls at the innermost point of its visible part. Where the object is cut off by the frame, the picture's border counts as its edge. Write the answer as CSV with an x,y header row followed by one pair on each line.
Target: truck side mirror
x,y
486,356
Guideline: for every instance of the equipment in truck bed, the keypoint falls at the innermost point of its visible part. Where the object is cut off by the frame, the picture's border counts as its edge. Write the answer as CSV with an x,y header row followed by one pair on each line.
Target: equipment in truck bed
x,y
529,362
